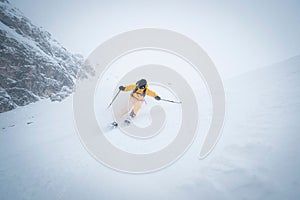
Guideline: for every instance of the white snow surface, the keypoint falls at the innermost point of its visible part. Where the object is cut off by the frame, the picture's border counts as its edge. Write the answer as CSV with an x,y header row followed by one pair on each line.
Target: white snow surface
x,y
257,157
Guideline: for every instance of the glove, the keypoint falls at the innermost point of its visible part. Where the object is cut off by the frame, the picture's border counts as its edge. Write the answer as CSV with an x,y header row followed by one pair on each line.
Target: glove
x,y
157,98
122,88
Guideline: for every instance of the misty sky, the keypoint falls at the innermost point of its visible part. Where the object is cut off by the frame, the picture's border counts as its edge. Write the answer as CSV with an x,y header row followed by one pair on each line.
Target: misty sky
x,y
238,35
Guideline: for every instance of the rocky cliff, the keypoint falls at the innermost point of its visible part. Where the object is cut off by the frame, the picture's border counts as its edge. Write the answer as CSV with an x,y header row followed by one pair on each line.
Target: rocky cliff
x,y
33,65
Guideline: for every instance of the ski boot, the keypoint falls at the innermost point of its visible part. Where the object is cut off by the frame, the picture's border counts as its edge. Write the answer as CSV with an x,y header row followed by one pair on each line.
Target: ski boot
x,y
131,116
114,124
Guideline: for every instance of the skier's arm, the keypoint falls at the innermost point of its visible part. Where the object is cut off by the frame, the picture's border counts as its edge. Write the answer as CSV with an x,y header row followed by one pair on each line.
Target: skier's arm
x,y
151,93
130,87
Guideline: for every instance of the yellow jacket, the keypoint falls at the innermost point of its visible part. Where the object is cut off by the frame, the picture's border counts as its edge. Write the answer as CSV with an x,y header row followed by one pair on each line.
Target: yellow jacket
x,y
140,93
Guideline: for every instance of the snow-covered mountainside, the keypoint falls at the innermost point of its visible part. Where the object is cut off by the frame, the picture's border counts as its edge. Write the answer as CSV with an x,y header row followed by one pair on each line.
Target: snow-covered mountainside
x,y
257,156
33,65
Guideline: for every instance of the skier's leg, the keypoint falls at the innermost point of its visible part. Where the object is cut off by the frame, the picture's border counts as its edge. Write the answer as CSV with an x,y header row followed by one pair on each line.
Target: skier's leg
x,y
136,108
134,111
130,104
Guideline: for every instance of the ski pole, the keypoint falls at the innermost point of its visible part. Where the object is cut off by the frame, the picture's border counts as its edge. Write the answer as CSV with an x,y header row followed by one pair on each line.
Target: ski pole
x,y
179,102
114,99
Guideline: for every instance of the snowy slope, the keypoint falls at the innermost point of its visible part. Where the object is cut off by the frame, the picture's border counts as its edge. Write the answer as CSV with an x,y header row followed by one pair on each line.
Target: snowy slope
x,y
41,156
257,156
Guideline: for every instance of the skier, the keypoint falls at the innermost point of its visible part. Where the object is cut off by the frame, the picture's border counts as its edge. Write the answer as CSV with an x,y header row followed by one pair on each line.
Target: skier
x,y
139,91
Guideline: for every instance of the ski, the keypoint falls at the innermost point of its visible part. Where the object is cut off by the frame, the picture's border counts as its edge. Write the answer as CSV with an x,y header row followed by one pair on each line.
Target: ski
x,y
114,124
127,122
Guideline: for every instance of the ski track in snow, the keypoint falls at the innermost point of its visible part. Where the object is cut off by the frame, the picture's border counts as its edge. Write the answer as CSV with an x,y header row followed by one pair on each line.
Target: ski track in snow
x,y
257,157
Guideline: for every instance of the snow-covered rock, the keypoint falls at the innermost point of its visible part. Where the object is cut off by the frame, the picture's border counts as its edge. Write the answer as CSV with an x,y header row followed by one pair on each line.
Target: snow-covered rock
x,y
33,65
